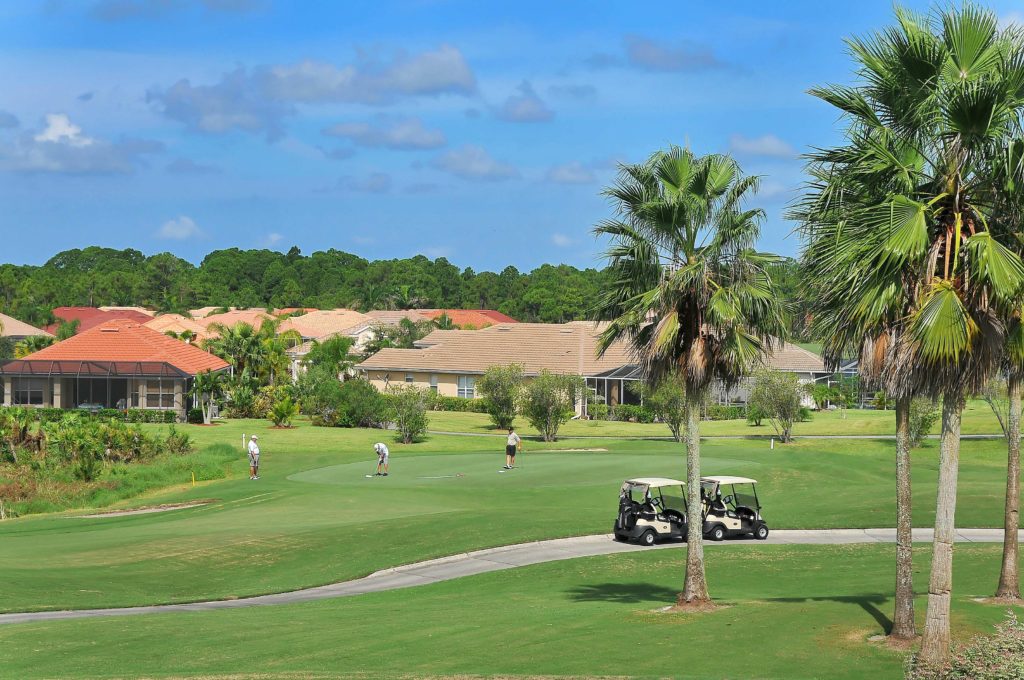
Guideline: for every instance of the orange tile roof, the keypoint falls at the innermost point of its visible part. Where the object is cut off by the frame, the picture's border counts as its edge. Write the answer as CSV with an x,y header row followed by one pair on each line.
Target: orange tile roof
x,y
127,340
477,318
253,317
88,317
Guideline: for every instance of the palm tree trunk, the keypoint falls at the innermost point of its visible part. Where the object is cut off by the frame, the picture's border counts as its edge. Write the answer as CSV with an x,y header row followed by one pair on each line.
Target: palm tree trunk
x,y
1009,575
695,586
903,627
935,643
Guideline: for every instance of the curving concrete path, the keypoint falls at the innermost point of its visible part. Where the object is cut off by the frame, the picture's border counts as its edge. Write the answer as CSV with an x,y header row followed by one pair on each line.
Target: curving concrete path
x,y
496,559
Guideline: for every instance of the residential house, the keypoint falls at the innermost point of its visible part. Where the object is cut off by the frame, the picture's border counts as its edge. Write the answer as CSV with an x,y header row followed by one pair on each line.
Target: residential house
x,y
89,317
117,364
318,325
468,319
179,324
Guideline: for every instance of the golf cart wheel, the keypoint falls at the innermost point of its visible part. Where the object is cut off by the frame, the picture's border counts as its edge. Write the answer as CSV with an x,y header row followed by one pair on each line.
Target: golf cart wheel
x,y
761,533
647,538
718,533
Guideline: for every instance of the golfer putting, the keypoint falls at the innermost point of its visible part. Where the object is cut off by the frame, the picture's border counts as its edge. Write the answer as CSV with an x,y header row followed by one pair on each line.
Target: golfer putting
x,y
254,457
382,459
513,444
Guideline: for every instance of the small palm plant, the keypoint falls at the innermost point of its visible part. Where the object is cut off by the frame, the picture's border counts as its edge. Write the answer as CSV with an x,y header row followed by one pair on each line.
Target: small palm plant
x,y
283,411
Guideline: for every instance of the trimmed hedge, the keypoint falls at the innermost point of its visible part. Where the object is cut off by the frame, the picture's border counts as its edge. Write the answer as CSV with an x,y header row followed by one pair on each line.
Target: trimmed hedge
x,y
459,404
633,413
720,412
132,415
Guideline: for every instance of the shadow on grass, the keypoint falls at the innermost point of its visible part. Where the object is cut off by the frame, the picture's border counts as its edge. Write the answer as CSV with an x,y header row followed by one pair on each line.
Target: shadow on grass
x,y
636,593
623,593
869,603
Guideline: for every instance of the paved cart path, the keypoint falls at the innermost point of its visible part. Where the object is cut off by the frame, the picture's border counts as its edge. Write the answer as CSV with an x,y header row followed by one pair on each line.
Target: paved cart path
x,y
496,559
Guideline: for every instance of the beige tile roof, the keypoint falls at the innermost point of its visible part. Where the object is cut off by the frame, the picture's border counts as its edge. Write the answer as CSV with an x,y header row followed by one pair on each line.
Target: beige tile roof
x,y
178,324
140,310
559,348
391,317
205,311
12,328
253,317
325,322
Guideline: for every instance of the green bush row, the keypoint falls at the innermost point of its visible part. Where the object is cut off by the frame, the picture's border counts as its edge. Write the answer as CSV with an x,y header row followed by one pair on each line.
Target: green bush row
x,y
132,415
442,403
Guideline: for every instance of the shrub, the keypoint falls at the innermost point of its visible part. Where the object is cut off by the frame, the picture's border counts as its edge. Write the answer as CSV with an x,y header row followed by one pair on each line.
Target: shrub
x,y
723,412
598,411
548,401
804,414
283,411
177,443
924,413
633,413
755,414
667,401
1000,655
777,394
242,402
195,416
332,403
440,402
409,412
501,387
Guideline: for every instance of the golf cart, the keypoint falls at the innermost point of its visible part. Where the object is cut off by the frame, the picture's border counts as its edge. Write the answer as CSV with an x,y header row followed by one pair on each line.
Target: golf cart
x,y
731,508
651,509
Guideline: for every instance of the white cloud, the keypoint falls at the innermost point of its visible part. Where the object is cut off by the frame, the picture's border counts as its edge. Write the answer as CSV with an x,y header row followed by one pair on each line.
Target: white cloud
x,y
434,252
272,239
402,133
258,100
561,240
765,145
374,183
179,229
62,147
570,173
473,162
525,107
648,55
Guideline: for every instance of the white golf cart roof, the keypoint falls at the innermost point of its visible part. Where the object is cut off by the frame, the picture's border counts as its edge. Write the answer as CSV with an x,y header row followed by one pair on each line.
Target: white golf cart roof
x,y
654,482
729,480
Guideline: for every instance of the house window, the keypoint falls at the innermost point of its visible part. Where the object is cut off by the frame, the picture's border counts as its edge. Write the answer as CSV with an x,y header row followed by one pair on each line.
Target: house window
x,y
409,377
467,386
28,391
160,394
433,382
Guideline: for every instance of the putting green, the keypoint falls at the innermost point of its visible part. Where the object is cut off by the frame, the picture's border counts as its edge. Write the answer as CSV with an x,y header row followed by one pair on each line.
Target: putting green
x,y
470,471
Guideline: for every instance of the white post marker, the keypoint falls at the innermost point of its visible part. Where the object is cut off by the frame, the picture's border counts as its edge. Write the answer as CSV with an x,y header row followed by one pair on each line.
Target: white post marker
x,y
773,443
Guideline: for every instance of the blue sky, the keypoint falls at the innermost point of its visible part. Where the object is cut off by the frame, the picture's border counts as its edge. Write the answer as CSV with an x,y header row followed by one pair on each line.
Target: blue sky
x,y
481,132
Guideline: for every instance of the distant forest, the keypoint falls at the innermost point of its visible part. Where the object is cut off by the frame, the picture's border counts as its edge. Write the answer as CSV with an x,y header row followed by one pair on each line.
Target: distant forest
x,y
97,276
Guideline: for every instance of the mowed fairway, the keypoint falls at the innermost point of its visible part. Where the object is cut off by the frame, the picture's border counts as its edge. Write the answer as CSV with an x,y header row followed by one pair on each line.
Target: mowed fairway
x,y
789,612
315,518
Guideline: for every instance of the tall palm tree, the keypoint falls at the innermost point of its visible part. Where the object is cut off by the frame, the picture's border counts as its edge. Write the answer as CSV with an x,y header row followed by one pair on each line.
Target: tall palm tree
x,y
206,387
239,345
910,262
688,292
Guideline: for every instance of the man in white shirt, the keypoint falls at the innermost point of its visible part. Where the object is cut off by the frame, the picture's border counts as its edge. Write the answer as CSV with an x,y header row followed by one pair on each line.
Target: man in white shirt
x,y
382,459
254,458
512,445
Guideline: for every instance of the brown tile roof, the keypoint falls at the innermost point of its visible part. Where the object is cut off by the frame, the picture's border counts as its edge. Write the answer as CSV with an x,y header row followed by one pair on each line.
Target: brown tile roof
x,y
12,328
178,324
126,340
477,318
559,348
89,317
324,322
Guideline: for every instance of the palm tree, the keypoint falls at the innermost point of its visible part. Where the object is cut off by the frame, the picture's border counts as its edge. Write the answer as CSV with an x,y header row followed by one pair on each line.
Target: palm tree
x,y
908,265
239,345
32,343
688,292
444,322
206,387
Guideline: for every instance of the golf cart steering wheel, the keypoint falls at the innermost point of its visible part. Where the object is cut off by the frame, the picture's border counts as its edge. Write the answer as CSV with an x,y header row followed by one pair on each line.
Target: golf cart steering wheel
x,y
656,501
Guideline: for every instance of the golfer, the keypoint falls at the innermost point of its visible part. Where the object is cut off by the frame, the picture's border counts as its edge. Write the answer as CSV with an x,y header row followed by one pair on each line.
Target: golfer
x,y
382,459
254,458
512,445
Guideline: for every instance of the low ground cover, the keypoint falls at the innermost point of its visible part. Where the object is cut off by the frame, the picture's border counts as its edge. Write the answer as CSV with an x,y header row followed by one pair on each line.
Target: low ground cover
x,y
789,612
315,518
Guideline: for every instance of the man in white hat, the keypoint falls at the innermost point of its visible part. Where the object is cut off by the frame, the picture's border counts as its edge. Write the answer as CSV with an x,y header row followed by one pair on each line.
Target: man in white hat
x,y
254,458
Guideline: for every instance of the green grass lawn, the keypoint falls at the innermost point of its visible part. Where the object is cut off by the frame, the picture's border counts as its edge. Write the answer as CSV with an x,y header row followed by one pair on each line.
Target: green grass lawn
x,y
314,518
977,419
790,612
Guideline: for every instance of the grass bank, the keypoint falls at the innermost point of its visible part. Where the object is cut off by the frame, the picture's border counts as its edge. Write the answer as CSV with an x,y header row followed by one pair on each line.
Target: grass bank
x,y
788,612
